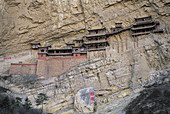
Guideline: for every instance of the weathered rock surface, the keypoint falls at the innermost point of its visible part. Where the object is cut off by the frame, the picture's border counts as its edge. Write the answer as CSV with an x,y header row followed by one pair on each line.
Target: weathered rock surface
x,y
116,79
84,100
59,21
56,22
61,95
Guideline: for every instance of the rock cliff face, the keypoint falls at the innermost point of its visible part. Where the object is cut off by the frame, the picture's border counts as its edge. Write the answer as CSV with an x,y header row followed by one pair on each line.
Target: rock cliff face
x,y
59,21
62,92
116,79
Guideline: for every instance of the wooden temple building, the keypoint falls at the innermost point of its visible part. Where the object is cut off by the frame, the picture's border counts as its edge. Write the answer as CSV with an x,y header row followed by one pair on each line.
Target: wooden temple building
x,y
144,25
79,48
96,39
35,45
118,29
59,52
75,49
54,62
43,51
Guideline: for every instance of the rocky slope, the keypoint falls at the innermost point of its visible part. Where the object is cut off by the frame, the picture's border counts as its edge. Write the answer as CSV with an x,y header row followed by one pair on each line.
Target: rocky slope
x,y
154,99
61,92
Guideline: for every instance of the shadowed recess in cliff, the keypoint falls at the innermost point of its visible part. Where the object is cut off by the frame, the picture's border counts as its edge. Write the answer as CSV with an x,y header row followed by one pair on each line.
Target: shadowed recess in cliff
x,y
153,100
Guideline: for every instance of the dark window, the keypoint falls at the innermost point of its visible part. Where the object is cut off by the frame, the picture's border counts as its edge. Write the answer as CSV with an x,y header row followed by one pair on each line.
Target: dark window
x,y
96,32
42,50
76,50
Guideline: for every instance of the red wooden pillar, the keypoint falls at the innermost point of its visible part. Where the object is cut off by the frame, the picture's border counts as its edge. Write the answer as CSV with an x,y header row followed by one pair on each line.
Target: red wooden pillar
x,y
42,55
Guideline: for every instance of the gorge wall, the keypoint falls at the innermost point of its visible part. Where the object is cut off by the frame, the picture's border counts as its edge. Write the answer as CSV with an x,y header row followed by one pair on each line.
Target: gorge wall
x,y
59,21
117,78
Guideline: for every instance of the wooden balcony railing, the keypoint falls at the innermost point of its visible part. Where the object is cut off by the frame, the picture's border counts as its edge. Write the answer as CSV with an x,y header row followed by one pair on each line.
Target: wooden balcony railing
x,y
95,42
96,49
146,27
59,54
143,22
95,35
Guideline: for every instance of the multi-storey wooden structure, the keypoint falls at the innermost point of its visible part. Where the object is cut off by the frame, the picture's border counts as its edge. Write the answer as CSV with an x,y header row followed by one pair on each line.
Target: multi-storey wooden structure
x,y
144,25
96,39
79,48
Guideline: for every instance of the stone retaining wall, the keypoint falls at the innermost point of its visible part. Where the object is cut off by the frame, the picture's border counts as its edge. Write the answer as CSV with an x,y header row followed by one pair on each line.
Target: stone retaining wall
x,y
22,68
56,66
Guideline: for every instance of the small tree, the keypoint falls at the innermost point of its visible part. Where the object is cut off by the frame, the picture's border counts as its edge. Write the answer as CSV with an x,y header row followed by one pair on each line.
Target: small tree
x,y
27,105
41,98
18,102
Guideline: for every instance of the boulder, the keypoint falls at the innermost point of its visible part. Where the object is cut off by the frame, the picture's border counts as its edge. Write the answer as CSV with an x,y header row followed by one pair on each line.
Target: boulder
x,y
85,101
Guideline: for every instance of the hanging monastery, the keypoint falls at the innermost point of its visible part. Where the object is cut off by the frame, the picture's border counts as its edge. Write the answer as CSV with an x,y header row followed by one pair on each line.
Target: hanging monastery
x,y
53,62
